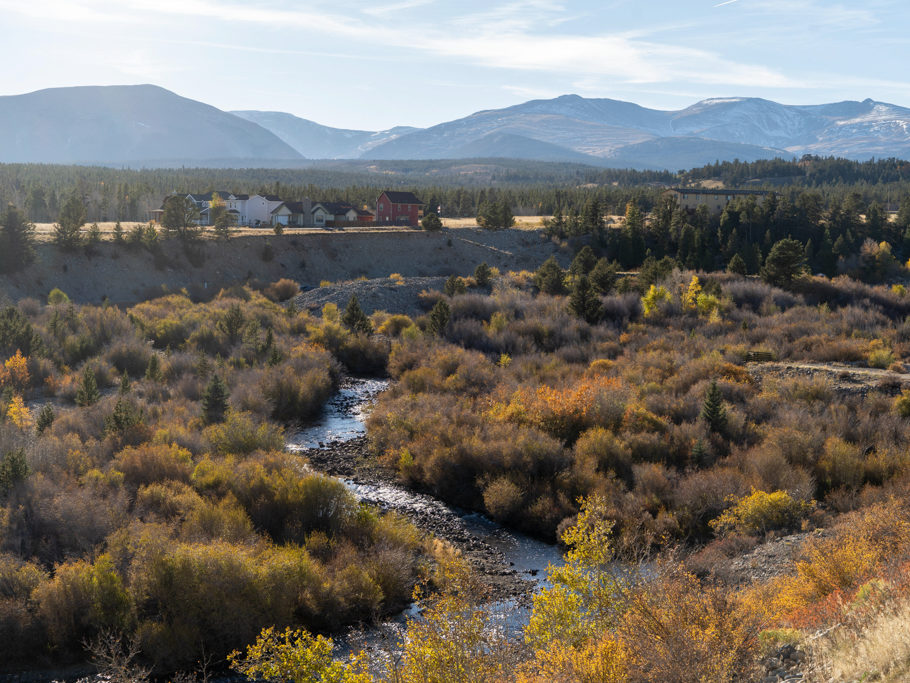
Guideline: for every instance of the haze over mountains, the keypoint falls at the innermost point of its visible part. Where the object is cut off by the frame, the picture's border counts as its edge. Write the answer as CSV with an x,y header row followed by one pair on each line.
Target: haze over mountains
x,y
145,125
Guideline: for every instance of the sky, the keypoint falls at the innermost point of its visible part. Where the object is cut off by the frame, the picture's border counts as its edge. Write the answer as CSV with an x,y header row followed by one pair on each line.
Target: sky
x,y
374,65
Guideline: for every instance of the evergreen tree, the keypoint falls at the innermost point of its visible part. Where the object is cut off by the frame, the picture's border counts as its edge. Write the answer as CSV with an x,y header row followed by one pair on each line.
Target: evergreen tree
x,y
87,394
126,415
584,261
232,322
431,223
550,278
180,216
68,230
603,276
13,469
439,318
786,261
214,400
17,240
495,215
118,233
454,285
903,213
125,386
483,275
556,226
737,265
153,371
355,319
46,417
713,411
584,302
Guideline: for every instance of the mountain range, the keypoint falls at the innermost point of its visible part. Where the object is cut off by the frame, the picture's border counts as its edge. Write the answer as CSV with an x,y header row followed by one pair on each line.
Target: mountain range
x,y
146,125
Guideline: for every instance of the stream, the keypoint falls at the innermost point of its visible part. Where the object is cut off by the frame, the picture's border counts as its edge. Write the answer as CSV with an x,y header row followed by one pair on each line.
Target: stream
x,y
511,564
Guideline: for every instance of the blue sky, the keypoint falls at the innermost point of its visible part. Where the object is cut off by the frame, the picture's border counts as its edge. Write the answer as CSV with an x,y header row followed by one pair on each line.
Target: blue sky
x,y
373,65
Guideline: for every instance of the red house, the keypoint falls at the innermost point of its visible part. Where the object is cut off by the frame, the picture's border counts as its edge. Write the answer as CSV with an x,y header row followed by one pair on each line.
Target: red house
x,y
398,208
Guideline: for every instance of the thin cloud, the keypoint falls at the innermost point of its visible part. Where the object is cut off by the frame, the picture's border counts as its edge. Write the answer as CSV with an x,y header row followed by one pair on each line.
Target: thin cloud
x,y
728,2
396,7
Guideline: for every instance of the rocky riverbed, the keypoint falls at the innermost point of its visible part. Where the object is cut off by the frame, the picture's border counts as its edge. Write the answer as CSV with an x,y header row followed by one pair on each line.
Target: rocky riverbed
x,y
511,565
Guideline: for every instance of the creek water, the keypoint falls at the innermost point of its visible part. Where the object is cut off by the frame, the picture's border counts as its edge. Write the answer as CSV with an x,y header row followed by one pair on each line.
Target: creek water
x,y
342,420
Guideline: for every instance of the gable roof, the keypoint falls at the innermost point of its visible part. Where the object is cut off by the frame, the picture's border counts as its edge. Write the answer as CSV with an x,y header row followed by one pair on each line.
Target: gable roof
x,y
293,207
334,208
402,197
207,197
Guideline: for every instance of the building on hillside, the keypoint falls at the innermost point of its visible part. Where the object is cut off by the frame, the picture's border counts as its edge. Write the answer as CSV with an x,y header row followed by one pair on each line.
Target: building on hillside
x,y
259,209
293,214
203,203
237,207
398,208
690,198
334,214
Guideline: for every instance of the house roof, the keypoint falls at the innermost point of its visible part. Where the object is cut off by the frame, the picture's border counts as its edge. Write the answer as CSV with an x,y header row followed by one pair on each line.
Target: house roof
x,y
402,197
334,208
207,197
240,196
701,190
292,207
363,213
271,197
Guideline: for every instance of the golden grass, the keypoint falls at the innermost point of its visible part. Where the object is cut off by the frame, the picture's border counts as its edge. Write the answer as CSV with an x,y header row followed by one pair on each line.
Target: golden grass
x,y
879,651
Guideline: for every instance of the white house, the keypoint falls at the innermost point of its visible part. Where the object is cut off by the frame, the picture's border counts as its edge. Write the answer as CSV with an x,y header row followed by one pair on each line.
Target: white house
x,y
259,209
237,207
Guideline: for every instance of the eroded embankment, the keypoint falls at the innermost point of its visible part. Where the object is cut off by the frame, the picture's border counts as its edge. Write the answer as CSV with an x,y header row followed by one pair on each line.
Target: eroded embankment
x,y
127,274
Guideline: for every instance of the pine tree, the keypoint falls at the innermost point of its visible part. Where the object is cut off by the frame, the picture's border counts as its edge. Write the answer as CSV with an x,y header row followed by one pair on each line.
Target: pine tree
x,y
584,261
87,394
214,400
482,275
603,276
17,240
713,411
118,233
439,318
454,285
68,230
431,223
355,319
124,383
737,265
153,369
786,261
550,278
126,415
46,417
13,469
584,303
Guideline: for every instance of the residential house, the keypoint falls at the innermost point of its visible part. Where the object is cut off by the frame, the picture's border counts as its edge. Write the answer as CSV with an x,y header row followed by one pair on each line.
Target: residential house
x,y
333,214
293,214
365,216
203,203
237,207
690,198
398,208
259,209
